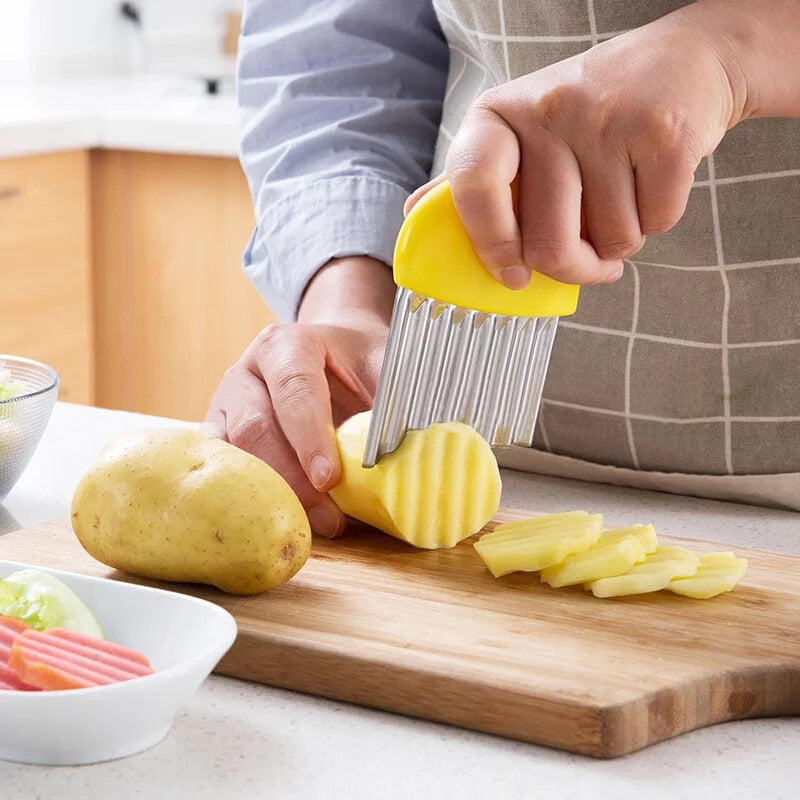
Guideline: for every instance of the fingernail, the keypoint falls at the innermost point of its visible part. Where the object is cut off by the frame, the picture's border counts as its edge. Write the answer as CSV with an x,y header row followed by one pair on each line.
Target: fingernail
x,y
515,277
324,521
615,273
320,470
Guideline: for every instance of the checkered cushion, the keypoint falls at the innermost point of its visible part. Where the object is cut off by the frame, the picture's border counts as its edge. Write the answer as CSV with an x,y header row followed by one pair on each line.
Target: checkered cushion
x,y
689,363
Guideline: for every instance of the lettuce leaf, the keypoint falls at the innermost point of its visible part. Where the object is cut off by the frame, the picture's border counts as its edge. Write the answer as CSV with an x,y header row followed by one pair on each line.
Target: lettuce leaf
x,y
45,602
8,387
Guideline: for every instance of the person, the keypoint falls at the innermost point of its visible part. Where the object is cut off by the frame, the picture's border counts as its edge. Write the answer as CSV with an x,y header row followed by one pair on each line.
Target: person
x,y
657,151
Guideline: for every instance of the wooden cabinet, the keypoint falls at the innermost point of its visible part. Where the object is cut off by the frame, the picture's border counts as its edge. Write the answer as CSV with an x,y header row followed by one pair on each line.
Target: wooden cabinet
x,y
123,271
45,266
172,306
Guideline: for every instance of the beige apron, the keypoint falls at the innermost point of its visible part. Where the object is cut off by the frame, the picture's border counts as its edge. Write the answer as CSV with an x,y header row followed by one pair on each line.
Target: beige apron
x,y
683,375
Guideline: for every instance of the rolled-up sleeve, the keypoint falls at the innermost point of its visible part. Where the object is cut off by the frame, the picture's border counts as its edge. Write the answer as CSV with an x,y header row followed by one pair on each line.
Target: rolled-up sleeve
x,y
339,103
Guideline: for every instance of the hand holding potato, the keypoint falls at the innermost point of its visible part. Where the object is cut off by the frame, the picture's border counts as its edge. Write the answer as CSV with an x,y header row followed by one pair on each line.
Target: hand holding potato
x,y
296,381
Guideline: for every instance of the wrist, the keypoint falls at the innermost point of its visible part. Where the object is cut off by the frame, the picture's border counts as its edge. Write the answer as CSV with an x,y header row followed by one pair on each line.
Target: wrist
x,y
349,289
756,42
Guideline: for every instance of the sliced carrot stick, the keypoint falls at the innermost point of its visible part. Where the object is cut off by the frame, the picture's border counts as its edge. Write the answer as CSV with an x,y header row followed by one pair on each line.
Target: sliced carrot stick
x,y
63,659
98,650
9,629
10,680
6,640
13,624
51,672
45,647
50,678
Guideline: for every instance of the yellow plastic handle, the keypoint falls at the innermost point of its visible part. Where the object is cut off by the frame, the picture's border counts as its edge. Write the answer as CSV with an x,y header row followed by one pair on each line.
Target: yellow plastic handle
x,y
435,257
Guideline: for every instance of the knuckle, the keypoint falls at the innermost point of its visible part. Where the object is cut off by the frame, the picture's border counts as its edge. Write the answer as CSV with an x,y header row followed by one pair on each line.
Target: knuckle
x,y
490,101
621,247
292,338
500,252
232,374
249,432
658,223
659,215
266,337
487,100
604,120
465,163
553,258
467,173
558,102
292,385
670,133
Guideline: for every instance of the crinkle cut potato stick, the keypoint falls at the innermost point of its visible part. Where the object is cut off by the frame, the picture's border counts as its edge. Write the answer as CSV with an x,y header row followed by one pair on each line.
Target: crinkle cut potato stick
x,y
532,544
615,563
717,573
651,575
441,485
614,554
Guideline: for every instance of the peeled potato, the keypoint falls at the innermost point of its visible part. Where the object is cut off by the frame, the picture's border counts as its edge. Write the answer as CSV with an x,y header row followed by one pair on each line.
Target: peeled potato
x,y
441,485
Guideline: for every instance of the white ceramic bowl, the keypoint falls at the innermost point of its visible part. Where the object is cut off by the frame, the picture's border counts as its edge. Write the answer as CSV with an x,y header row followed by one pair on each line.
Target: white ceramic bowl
x,y
183,637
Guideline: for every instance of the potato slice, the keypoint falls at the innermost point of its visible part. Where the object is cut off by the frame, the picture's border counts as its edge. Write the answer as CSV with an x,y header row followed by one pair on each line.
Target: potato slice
x,y
644,534
651,575
614,554
716,573
529,545
441,485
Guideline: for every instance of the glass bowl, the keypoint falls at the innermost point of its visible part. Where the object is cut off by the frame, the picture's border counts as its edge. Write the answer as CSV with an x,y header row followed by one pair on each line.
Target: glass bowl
x,y
24,414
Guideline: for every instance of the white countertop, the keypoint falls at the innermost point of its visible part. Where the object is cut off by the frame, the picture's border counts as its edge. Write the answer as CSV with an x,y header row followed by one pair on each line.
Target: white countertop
x,y
237,739
148,112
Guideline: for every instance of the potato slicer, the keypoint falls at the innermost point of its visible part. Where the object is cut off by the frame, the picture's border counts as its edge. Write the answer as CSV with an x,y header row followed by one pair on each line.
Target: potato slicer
x,y
461,347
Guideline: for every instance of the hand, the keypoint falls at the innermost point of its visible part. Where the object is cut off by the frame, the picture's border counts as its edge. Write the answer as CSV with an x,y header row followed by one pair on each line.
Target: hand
x,y
296,381
604,146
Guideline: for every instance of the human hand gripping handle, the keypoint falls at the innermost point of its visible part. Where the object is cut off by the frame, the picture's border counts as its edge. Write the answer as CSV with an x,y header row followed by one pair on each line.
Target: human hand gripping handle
x,y
296,381
603,146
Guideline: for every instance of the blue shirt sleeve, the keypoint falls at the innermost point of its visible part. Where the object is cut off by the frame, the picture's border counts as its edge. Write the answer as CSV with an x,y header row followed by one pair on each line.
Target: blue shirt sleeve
x,y
339,104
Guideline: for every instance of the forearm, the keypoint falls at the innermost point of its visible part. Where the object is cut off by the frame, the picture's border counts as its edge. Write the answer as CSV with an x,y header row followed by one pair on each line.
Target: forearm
x,y
339,107
346,288
759,45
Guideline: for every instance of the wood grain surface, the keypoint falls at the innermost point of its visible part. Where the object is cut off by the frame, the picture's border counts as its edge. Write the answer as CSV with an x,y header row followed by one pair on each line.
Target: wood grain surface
x,y
173,309
371,621
45,263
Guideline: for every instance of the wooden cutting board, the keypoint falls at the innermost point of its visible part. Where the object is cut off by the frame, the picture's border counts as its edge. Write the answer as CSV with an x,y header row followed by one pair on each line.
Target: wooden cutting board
x,y
371,621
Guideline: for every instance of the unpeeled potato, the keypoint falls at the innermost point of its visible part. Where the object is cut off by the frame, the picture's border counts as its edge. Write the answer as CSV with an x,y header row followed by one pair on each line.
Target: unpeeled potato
x,y
441,485
177,505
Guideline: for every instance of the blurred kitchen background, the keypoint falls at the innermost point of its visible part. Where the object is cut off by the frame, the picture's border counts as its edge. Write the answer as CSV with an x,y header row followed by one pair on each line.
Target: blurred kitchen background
x,y
123,209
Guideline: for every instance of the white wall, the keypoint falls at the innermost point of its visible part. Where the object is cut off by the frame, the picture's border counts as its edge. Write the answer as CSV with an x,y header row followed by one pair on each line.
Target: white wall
x,y
161,16
66,38
14,40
